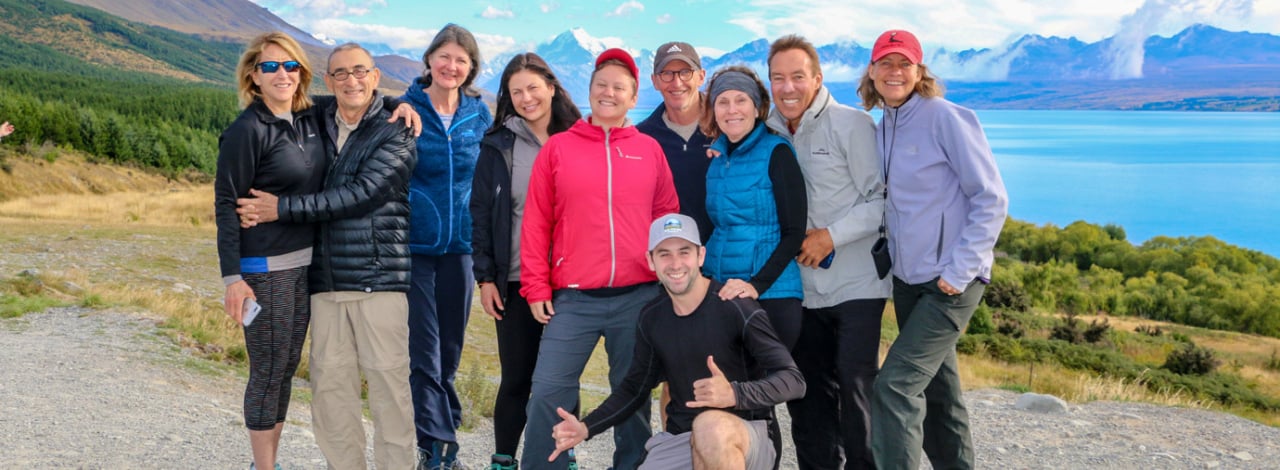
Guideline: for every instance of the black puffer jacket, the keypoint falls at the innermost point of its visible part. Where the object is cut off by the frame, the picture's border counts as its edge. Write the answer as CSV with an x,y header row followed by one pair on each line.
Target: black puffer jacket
x,y
363,211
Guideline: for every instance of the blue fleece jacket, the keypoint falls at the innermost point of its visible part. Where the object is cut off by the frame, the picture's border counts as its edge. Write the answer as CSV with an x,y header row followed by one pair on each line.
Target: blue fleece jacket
x,y
440,191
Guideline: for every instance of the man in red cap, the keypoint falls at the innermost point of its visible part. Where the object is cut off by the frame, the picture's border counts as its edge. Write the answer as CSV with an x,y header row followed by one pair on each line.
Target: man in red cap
x,y
593,191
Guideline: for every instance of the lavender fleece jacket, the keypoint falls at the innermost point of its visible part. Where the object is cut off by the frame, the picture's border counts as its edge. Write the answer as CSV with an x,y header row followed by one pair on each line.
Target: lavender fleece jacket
x,y
946,200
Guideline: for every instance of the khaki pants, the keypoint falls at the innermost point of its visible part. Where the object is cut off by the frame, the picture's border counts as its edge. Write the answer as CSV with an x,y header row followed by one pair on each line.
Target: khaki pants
x,y
354,332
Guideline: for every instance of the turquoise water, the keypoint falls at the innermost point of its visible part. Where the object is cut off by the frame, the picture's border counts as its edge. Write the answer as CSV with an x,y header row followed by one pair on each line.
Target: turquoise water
x,y
1154,173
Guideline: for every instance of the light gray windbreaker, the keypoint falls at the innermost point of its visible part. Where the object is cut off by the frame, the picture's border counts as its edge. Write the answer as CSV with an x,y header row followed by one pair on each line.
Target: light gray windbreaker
x,y
836,147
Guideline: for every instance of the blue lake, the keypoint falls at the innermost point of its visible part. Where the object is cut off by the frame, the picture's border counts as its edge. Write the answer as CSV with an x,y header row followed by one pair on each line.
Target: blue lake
x,y
1154,173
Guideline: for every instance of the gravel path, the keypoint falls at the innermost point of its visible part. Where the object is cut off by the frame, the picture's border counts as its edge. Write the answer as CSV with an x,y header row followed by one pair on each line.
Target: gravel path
x,y
103,389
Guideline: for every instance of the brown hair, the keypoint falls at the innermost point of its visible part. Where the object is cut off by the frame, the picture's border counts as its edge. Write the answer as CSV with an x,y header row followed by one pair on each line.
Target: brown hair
x,y
708,121
452,33
793,41
928,87
249,91
563,111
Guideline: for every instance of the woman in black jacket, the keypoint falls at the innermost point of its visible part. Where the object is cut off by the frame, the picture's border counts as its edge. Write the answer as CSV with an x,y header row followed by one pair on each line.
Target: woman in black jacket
x,y
531,107
275,146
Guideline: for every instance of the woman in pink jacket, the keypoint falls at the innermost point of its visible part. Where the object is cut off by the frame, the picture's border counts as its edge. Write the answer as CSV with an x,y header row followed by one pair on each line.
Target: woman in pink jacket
x,y
594,190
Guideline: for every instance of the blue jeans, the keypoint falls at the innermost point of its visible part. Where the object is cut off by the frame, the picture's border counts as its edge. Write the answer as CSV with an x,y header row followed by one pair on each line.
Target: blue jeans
x,y
440,290
567,343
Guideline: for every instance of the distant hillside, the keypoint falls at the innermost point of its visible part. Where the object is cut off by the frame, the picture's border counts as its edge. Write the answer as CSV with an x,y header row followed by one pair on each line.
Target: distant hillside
x,y
82,34
235,22
222,20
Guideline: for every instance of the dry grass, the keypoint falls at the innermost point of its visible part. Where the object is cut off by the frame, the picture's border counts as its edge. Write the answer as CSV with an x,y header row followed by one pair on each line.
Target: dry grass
x,y
134,247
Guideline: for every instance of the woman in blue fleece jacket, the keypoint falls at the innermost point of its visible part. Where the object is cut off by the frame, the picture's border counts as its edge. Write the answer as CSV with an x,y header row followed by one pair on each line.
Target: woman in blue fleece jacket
x,y
454,121
945,206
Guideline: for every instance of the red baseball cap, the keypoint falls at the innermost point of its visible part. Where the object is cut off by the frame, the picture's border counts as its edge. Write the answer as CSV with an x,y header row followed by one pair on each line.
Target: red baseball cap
x,y
623,56
899,41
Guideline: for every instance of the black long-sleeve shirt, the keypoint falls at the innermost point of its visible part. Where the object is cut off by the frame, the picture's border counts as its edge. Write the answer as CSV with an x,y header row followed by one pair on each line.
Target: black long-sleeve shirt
x,y
674,348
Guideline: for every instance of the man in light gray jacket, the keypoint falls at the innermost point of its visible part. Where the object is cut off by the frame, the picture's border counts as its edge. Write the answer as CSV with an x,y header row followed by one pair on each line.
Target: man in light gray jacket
x,y
840,332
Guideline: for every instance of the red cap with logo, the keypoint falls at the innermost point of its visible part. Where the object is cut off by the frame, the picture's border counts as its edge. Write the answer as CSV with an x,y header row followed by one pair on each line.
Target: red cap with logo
x,y
897,41
623,56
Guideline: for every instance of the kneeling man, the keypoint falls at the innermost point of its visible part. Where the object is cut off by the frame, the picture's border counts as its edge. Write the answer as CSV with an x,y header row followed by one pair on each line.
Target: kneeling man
x,y
723,360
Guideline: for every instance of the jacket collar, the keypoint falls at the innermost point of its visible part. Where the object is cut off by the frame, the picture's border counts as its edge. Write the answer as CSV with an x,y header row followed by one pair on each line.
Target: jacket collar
x,y
417,94
722,142
821,102
375,106
585,128
264,113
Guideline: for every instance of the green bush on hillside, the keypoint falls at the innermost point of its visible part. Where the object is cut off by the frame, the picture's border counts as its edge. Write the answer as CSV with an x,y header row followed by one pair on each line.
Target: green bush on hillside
x,y
1084,269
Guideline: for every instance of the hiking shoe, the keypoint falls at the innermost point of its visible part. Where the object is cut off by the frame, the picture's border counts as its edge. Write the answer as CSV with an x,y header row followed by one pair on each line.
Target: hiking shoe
x,y
573,460
449,456
442,456
503,462
424,459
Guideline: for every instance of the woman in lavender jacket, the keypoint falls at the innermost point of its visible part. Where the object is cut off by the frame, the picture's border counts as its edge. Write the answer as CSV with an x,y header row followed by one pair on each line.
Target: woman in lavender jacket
x,y
945,206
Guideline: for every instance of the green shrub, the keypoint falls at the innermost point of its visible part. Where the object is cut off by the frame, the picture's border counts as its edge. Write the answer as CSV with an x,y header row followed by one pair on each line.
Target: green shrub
x,y
1010,327
1068,330
1191,360
1149,330
1007,292
981,323
1097,331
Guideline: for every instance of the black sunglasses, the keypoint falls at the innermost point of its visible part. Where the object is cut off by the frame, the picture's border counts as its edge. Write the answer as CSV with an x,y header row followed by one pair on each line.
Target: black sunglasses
x,y
273,66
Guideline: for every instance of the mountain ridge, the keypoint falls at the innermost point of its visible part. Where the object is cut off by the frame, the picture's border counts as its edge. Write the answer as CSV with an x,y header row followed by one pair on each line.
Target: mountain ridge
x,y
1200,68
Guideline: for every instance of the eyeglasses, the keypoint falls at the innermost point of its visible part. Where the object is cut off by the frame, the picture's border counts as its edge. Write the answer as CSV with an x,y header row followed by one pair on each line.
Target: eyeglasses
x,y
273,66
669,75
358,72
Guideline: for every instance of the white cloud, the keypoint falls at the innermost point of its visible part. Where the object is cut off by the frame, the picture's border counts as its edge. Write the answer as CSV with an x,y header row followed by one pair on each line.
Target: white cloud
x,y
401,38
988,23
297,9
549,7
626,9
490,12
664,18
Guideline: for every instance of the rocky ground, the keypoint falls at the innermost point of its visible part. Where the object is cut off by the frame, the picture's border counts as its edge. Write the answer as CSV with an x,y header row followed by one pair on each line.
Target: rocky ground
x,y
86,388
107,389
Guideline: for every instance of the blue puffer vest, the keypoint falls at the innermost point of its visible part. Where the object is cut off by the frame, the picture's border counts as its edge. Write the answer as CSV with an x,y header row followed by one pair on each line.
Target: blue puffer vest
x,y
440,191
742,209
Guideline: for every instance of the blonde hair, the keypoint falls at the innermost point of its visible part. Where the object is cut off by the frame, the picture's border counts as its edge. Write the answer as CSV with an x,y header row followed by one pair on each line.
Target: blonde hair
x,y
710,127
249,91
928,87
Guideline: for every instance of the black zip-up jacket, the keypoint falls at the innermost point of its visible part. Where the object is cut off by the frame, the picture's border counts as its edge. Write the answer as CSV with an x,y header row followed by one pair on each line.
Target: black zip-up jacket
x,y
264,152
362,243
688,162
491,210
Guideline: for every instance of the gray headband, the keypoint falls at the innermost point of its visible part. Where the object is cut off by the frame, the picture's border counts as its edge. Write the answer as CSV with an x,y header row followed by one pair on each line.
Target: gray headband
x,y
735,80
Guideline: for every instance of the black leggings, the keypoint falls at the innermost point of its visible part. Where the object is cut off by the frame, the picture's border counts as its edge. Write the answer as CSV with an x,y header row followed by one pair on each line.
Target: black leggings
x,y
274,344
785,315
518,337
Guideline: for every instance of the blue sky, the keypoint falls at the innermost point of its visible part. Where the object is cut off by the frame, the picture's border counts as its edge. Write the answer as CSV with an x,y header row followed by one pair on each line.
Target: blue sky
x,y
718,26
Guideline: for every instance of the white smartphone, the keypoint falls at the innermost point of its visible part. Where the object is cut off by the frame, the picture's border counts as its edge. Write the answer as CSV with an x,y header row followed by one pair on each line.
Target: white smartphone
x,y
251,309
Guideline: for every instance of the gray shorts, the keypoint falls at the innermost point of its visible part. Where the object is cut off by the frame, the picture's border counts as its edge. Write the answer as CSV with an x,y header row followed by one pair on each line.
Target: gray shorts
x,y
668,451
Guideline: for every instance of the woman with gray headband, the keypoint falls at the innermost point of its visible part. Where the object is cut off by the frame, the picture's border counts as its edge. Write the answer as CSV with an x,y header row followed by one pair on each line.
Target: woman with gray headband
x,y
756,201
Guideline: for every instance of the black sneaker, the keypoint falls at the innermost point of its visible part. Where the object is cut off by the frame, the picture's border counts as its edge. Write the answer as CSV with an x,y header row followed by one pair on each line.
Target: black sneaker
x,y
503,462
